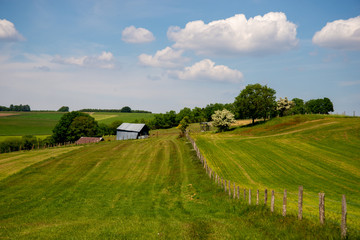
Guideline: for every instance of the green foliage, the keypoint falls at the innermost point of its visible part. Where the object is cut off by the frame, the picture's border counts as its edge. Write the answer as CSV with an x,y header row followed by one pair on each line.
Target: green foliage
x,y
298,106
26,142
63,109
126,109
322,106
82,126
74,125
184,124
223,120
255,101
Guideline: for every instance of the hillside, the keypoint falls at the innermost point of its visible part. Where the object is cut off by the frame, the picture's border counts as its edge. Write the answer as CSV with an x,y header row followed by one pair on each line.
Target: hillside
x,y
321,153
137,189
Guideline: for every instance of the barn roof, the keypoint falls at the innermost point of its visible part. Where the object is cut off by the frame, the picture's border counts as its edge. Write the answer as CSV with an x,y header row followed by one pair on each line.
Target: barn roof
x,y
131,127
83,140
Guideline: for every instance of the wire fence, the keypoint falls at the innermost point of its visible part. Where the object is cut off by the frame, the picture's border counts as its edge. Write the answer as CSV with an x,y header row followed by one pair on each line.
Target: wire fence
x,y
295,203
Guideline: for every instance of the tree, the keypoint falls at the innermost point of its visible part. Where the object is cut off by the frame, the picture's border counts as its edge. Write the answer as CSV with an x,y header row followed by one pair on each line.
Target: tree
x,y
298,106
82,126
321,106
63,109
284,106
64,129
222,119
255,101
126,109
184,123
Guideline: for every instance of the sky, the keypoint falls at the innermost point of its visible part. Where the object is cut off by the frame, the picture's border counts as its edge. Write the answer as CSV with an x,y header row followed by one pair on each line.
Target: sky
x,y
166,55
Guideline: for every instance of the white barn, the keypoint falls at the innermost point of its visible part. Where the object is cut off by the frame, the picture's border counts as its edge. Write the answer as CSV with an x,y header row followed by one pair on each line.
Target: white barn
x,y
132,131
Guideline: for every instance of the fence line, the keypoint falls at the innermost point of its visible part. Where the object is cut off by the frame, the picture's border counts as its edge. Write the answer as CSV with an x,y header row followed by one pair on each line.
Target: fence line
x,y
226,185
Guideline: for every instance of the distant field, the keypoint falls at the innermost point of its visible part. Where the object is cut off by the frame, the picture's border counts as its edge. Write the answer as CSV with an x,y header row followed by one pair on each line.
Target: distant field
x,y
107,118
42,123
28,123
137,189
320,153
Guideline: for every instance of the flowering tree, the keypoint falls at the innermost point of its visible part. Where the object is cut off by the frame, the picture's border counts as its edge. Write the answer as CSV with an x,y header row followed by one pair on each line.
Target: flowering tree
x,y
283,105
222,119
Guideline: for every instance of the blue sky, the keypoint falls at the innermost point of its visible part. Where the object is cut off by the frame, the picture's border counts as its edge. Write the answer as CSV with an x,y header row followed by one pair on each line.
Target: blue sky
x,y
167,55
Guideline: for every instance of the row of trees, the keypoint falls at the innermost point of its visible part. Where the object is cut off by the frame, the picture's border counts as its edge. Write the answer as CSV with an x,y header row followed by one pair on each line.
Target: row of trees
x,y
16,108
125,109
27,142
253,102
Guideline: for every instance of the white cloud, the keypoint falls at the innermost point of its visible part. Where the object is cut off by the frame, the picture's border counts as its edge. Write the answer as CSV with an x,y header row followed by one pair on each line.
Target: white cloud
x,y
8,31
207,70
105,60
137,35
340,34
266,34
165,58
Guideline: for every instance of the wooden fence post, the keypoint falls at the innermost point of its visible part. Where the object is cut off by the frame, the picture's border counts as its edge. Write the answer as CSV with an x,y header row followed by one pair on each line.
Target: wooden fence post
x,y
284,203
265,197
234,195
249,196
225,185
257,197
238,193
322,208
229,189
300,202
244,194
343,217
272,201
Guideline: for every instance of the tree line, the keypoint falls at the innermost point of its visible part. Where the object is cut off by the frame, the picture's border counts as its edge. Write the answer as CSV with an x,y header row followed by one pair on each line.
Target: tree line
x,y
16,108
125,109
253,102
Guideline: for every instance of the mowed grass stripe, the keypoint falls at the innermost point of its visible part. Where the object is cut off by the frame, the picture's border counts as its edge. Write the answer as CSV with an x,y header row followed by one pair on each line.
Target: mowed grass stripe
x,y
142,189
322,155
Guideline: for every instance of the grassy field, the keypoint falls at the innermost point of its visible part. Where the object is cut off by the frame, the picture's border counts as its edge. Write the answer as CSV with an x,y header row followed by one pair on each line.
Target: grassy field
x,y
136,189
320,153
41,124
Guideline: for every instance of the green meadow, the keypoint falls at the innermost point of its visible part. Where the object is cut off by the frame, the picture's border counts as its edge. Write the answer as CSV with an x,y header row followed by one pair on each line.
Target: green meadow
x,y
321,153
41,124
138,189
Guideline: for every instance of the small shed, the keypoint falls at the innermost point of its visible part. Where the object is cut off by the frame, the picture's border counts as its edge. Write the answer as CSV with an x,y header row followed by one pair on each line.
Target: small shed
x,y
84,140
132,131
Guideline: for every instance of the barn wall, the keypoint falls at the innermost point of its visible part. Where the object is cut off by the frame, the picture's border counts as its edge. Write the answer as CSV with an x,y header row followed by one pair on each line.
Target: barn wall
x,y
126,135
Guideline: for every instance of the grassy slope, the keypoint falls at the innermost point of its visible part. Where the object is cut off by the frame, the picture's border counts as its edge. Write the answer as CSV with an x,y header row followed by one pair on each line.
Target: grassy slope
x,y
141,189
320,153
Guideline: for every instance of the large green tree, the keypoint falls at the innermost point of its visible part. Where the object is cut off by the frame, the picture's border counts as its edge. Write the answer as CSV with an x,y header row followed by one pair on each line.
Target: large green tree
x,y
322,106
255,101
66,129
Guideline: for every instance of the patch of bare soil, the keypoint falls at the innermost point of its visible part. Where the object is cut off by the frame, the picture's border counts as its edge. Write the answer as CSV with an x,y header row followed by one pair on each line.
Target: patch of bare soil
x,y
8,114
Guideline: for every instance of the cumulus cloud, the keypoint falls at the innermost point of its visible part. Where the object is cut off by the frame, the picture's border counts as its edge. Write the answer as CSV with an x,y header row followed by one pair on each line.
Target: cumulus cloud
x,y
137,35
207,70
165,58
105,60
340,34
266,34
8,31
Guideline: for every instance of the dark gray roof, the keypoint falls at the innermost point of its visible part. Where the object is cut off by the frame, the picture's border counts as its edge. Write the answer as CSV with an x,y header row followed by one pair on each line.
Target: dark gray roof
x,y
131,127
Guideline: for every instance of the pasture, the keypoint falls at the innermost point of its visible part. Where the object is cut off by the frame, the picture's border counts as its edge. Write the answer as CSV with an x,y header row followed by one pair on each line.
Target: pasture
x,y
41,124
321,153
137,189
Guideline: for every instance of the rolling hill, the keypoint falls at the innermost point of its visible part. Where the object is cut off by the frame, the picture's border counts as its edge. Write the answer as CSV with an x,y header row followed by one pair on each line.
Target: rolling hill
x,y
136,189
321,153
